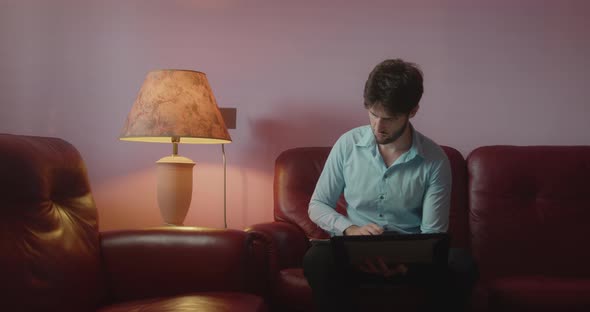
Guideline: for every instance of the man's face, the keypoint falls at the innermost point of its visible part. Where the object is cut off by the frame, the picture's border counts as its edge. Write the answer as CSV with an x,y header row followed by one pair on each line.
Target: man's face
x,y
387,128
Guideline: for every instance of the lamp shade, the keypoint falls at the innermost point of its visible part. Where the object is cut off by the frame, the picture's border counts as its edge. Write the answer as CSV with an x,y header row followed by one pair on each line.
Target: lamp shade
x,y
175,104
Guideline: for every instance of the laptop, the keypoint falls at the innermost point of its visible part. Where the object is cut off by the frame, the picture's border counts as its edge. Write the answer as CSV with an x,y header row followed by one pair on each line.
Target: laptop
x,y
394,248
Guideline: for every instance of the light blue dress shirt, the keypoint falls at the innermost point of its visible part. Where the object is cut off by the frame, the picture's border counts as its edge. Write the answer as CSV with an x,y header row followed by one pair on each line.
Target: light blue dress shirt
x,y
411,196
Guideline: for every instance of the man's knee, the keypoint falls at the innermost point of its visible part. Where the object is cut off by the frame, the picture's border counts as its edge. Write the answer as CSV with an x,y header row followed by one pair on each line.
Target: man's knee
x,y
318,259
463,267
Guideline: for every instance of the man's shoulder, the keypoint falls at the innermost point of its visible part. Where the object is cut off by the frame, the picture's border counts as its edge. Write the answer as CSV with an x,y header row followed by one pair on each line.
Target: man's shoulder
x,y
356,136
431,150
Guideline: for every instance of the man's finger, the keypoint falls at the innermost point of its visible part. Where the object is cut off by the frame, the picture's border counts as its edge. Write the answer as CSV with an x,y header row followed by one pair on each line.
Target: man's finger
x,y
401,269
375,229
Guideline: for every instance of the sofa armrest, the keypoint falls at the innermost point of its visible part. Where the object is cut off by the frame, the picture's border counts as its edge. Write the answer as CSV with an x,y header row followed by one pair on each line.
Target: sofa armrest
x,y
176,260
287,242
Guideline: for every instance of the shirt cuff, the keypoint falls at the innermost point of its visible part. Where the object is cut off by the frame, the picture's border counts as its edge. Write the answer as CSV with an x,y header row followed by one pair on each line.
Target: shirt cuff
x,y
341,224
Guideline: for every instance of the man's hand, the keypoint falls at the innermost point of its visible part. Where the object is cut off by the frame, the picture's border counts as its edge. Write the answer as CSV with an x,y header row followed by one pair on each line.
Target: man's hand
x,y
368,229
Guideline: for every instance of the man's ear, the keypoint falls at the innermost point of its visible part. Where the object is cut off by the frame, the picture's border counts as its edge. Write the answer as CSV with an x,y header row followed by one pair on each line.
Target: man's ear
x,y
414,111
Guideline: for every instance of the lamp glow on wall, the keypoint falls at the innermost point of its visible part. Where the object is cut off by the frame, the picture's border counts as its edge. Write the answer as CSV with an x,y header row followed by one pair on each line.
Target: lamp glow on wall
x,y
176,107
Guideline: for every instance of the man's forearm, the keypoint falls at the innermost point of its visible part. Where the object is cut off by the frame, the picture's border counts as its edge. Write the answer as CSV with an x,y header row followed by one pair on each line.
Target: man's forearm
x,y
328,218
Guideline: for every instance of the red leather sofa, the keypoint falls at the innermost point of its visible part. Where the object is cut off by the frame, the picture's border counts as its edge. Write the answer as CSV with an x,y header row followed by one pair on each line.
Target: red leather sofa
x,y
296,173
529,219
53,258
523,212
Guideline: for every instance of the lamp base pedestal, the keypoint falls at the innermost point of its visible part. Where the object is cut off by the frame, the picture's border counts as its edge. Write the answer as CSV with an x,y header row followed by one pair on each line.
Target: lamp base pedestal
x,y
174,187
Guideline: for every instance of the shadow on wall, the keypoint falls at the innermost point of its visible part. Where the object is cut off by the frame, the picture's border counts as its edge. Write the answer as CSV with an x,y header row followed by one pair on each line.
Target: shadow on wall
x,y
299,125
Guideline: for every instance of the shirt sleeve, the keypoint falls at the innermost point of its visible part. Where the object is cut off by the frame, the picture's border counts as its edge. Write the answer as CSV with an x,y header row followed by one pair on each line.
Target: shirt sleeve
x,y
437,199
322,207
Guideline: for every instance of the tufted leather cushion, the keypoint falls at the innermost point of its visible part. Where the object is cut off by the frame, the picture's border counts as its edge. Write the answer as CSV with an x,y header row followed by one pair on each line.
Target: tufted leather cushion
x,y
52,257
529,210
49,247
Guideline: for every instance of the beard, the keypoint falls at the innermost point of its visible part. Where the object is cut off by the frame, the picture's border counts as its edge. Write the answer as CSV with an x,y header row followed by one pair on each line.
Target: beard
x,y
392,137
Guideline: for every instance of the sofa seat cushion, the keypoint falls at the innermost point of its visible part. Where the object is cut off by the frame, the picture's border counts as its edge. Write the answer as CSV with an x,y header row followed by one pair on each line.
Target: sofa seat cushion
x,y
539,293
205,301
292,291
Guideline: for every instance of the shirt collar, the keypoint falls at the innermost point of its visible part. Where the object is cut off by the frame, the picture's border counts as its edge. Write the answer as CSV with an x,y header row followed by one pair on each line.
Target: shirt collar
x,y
417,148
368,140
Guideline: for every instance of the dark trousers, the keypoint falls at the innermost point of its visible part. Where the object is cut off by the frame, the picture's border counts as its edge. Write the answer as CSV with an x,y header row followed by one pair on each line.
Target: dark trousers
x,y
335,287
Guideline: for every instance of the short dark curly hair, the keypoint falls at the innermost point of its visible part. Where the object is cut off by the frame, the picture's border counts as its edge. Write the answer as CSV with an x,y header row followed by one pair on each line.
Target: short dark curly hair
x,y
395,84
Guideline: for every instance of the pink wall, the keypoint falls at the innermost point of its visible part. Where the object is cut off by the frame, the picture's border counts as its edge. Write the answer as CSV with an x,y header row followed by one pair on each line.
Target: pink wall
x,y
496,72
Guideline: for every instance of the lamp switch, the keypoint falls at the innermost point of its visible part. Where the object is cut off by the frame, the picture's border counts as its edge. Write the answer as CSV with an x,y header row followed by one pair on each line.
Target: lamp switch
x,y
229,116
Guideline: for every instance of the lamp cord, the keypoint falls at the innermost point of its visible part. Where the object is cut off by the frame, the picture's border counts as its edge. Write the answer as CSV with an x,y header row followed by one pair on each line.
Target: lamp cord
x,y
224,187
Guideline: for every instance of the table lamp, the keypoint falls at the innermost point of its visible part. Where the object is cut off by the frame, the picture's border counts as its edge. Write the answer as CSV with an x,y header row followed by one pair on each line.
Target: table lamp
x,y
175,107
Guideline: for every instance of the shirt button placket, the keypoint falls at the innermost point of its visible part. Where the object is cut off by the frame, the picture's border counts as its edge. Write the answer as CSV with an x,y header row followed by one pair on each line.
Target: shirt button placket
x,y
382,196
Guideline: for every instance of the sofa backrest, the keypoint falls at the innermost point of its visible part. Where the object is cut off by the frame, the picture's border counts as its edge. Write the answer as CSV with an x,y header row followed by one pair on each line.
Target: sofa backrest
x,y
49,254
529,209
297,171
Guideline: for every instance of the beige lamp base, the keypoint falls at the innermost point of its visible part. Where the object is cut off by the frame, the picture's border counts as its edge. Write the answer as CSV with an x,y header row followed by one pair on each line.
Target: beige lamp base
x,y
175,188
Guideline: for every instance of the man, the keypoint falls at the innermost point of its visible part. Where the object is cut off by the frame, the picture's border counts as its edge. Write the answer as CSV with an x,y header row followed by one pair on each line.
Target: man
x,y
393,178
